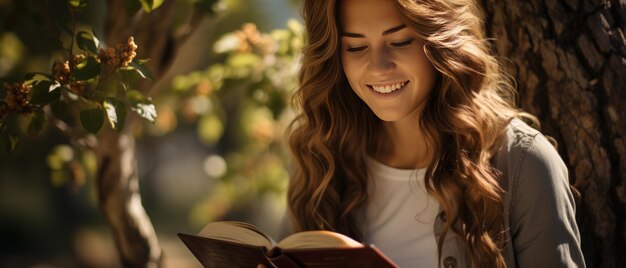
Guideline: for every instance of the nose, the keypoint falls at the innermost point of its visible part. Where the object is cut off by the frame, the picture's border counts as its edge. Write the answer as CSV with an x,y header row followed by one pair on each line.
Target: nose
x,y
381,61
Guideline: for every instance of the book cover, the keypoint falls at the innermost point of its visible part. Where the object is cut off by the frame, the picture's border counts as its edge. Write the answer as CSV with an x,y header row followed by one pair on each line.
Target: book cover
x,y
228,248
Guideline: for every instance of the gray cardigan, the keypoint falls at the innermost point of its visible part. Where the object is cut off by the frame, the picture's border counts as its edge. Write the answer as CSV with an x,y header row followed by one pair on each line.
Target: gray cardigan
x,y
539,207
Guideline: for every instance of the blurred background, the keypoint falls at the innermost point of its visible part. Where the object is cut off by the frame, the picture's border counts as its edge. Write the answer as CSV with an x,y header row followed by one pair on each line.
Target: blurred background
x,y
215,152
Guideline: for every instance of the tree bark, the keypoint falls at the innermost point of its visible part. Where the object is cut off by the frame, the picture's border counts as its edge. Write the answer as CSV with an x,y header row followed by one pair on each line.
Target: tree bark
x,y
569,60
117,180
120,201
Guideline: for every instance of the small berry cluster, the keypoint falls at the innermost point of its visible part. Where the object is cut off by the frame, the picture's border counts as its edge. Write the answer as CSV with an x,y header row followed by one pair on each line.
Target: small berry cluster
x,y
16,99
127,51
121,55
62,71
108,57
77,86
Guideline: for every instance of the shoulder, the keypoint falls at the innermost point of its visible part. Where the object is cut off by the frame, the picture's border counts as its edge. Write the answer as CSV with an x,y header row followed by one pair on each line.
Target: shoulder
x,y
538,201
519,136
529,161
533,149
525,146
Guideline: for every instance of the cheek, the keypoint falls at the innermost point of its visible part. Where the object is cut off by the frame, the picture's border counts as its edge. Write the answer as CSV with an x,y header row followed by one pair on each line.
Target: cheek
x,y
418,64
351,70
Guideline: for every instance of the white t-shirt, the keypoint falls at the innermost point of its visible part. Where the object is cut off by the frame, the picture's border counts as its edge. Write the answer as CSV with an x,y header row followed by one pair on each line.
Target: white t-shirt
x,y
400,215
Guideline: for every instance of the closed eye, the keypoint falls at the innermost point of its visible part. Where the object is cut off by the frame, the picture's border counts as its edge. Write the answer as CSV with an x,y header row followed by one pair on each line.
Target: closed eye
x,y
356,49
403,43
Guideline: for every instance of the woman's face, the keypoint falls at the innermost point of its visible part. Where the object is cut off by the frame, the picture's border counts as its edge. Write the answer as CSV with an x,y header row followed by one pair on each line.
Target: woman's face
x,y
384,60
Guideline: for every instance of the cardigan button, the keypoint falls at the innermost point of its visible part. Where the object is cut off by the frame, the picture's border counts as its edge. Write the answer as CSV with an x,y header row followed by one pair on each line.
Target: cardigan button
x,y
449,262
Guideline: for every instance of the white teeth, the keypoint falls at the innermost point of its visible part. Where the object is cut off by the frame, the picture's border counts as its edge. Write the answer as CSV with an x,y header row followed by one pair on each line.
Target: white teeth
x,y
388,88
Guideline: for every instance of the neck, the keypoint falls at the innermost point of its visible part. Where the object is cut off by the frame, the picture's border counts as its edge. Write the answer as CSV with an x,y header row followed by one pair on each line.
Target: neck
x,y
404,145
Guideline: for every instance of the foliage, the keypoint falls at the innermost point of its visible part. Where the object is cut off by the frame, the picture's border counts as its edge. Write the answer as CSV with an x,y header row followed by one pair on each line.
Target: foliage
x,y
93,86
88,86
93,81
81,87
259,70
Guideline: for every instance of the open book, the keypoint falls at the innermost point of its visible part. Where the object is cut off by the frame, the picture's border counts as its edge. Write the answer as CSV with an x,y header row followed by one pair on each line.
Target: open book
x,y
239,244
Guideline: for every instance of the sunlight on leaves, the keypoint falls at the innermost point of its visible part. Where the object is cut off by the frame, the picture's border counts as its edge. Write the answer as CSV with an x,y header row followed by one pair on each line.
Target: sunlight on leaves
x,y
228,42
87,42
141,105
210,129
78,3
87,69
45,92
89,161
116,113
141,69
243,60
59,155
11,51
259,125
150,5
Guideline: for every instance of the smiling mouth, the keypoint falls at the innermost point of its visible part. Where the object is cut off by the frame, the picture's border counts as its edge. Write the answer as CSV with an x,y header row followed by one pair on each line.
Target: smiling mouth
x,y
385,89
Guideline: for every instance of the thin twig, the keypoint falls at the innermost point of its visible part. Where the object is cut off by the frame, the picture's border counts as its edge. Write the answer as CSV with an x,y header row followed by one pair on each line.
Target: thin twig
x,y
65,129
77,138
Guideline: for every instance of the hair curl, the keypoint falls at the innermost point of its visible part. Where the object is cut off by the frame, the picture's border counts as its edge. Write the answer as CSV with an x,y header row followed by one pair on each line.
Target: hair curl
x,y
466,116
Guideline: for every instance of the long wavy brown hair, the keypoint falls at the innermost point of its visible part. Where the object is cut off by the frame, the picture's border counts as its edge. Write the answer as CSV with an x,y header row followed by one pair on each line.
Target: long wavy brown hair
x,y
465,118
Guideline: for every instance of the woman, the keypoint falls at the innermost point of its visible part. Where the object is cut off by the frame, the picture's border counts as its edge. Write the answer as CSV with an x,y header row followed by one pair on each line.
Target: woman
x,y
408,138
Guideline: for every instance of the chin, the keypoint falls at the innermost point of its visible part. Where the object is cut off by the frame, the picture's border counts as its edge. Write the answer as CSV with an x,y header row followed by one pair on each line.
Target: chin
x,y
388,117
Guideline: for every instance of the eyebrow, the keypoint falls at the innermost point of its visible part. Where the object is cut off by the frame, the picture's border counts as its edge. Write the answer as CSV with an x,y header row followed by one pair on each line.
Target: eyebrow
x,y
386,32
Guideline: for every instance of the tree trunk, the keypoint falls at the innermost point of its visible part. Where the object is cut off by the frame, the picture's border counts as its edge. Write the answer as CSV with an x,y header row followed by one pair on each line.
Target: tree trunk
x,y
120,201
117,180
569,60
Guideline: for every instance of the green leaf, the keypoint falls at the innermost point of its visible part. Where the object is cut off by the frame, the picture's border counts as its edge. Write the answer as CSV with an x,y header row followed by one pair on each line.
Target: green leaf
x,y
150,5
45,92
62,111
109,87
32,77
92,119
36,123
87,42
78,3
243,60
116,113
87,69
54,86
142,69
141,105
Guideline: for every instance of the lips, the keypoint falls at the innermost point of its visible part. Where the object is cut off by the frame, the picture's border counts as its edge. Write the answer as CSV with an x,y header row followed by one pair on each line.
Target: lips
x,y
387,88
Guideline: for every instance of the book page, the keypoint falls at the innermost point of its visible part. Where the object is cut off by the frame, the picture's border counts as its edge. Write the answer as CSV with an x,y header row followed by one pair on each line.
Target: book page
x,y
219,253
318,239
239,232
